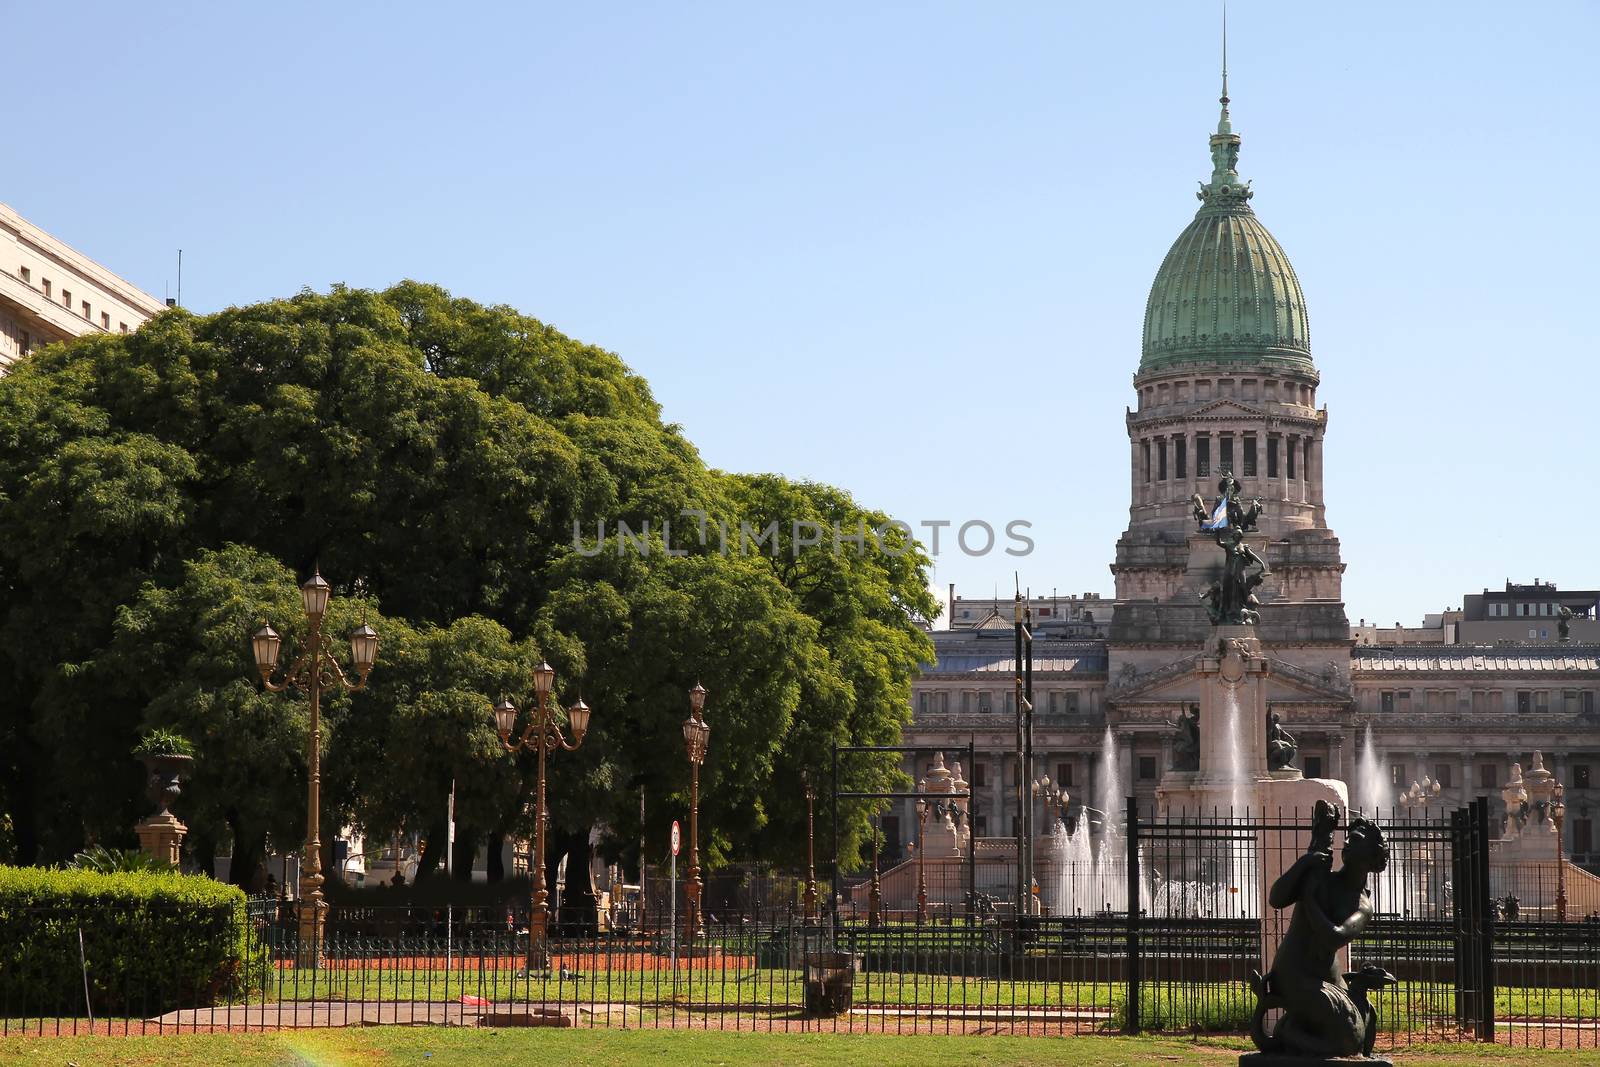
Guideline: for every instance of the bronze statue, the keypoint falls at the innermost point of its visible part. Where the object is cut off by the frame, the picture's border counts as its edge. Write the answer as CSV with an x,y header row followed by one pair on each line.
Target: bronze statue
x,y
1186,749
1564,623
1281,745
1326,1013
1231,600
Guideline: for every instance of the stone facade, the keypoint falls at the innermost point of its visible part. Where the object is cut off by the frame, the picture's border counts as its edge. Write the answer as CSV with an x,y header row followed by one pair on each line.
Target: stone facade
x,y
49,292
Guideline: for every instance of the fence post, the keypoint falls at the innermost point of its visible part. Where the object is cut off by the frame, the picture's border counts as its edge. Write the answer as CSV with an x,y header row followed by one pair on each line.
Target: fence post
x,y
1485,918
1131,978
1465,887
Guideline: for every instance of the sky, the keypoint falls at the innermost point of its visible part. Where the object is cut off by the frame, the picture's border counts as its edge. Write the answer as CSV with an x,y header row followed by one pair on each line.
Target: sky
x,y
903,248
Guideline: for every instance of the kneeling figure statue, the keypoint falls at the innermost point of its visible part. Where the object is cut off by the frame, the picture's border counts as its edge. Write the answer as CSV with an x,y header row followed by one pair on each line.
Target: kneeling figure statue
x,y
1326,1015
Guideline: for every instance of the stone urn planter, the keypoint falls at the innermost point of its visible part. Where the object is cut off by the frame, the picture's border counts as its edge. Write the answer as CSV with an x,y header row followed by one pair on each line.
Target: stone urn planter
x,y
166,771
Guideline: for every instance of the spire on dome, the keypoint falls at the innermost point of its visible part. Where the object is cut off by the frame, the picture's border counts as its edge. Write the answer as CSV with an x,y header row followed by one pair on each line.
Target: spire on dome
x,y
1225,189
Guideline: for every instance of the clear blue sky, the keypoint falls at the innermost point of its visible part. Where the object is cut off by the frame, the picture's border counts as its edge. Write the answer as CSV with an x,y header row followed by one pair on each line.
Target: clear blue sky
x,y
872,243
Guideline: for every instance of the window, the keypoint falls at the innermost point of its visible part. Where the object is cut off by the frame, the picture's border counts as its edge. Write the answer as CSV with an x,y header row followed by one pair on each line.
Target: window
x,y
1486,701
1071,696
1202,455
1569,701
1386,701
985,703
1227,453
966,702
86,309
1524,701
1180,454
1441,774
25,345
1064,775
1397,774
105,320
1161,459
1249,456
922,703
1147,768
1289,449
980,775
27,275
46,283
1488,776
1587,702
66,298
1313,766
981,825
122,327
1272,457
1011,702
944,701
1582,836
1050,702
890,841
1541,701
1146,460
1402,701
1580,776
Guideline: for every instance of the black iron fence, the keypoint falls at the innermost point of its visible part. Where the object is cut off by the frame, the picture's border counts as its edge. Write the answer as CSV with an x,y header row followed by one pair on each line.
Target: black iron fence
x,y
1157,928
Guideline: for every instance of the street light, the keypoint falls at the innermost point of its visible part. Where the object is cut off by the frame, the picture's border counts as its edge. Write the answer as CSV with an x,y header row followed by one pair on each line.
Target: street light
x,y
922,877
314,671
811,849
542,734
696,733
875,891
1558,814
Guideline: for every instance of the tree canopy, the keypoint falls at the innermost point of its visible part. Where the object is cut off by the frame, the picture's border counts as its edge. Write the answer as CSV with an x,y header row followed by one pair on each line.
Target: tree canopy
x,y
486,492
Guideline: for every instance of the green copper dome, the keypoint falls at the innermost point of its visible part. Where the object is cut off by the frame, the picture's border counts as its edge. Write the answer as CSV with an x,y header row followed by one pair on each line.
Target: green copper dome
x,y
1226,291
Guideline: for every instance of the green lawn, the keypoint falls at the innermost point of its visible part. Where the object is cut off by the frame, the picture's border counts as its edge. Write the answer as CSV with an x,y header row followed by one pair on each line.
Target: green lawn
x,y
376,1047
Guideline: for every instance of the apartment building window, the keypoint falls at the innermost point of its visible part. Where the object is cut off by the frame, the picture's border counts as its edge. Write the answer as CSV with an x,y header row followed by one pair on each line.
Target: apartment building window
x,y
1147,768
1227,453
1541,701
1580,776
27,275
46,283
1386,701
24,343
1486,701
122,327
1397,774
985,703
1249,456
1180,455
1524,701
966,703
1202,455
1488,776
1402,701
1582,836
1071,701
1011,702
980,775
105,320
66,298
1272,457
1587,702
1313,766
1064,775
86,309
1441,774
922,703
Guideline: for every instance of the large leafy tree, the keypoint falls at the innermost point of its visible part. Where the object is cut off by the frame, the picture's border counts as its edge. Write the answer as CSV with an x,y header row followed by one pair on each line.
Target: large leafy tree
x,y
160,492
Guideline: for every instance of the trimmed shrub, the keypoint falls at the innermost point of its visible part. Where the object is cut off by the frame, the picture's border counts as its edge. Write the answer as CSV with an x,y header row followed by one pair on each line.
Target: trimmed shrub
x,y
151,941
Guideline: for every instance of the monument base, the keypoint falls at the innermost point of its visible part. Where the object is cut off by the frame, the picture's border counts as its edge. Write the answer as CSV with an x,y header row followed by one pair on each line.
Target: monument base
x,y
1279,1059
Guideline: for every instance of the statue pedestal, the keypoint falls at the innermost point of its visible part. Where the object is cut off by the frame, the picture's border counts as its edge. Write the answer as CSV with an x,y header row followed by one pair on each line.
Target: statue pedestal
x,y
162,836
1279,1059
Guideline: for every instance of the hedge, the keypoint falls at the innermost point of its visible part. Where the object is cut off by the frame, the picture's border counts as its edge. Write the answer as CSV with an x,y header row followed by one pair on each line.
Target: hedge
x,y
151,942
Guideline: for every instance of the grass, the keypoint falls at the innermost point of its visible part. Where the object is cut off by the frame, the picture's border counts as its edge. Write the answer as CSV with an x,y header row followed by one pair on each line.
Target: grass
x,y
380,1046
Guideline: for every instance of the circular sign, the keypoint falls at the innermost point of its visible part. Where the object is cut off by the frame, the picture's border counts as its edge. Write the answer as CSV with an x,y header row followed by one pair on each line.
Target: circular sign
x,y
676,837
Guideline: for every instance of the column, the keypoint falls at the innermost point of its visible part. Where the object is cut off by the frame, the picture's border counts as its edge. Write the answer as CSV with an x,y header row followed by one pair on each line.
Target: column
x,y
1193,459
1314,470
1125,758
1336,756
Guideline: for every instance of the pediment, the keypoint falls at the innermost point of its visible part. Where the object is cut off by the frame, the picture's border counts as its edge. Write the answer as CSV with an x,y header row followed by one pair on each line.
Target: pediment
x,y
1179,682
1227,408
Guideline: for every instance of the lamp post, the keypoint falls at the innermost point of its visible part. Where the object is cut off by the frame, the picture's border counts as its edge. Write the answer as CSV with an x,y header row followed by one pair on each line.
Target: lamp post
x,y
315,670
923,808
875,891
696,733
811,850
1558,815
543,735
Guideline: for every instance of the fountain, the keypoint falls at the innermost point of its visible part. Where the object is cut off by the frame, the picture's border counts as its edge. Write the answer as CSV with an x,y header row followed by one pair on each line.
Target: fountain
x,y
1371,790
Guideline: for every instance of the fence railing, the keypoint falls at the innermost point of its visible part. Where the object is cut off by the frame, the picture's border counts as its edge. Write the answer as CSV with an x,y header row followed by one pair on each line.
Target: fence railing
x,y
1169,947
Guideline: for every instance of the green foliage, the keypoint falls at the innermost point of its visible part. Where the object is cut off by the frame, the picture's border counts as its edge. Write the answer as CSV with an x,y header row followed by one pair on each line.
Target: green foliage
x,y
151,941
102,860
163,743
161,492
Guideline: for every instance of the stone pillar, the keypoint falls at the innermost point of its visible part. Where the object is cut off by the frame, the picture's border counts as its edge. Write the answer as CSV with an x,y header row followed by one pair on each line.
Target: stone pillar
x,y
1314,470
1336,756
162,836
1125,758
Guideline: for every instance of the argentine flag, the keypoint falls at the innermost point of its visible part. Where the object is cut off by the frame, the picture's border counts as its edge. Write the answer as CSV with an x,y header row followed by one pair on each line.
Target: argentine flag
x,y
1219,516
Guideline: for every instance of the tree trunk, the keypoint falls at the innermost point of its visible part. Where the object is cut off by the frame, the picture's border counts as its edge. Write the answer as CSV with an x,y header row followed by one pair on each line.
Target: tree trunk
x,y
496,865
466,852
432,851
580,912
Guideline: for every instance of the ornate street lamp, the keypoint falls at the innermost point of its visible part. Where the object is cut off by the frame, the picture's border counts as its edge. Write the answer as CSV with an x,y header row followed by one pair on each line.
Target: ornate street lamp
x,y
314,671
1558,815
923,807
811,853
696,733
875,891
543,735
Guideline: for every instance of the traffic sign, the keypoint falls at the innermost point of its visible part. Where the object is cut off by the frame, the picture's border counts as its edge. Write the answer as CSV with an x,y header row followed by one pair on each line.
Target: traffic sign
x,y
676,837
